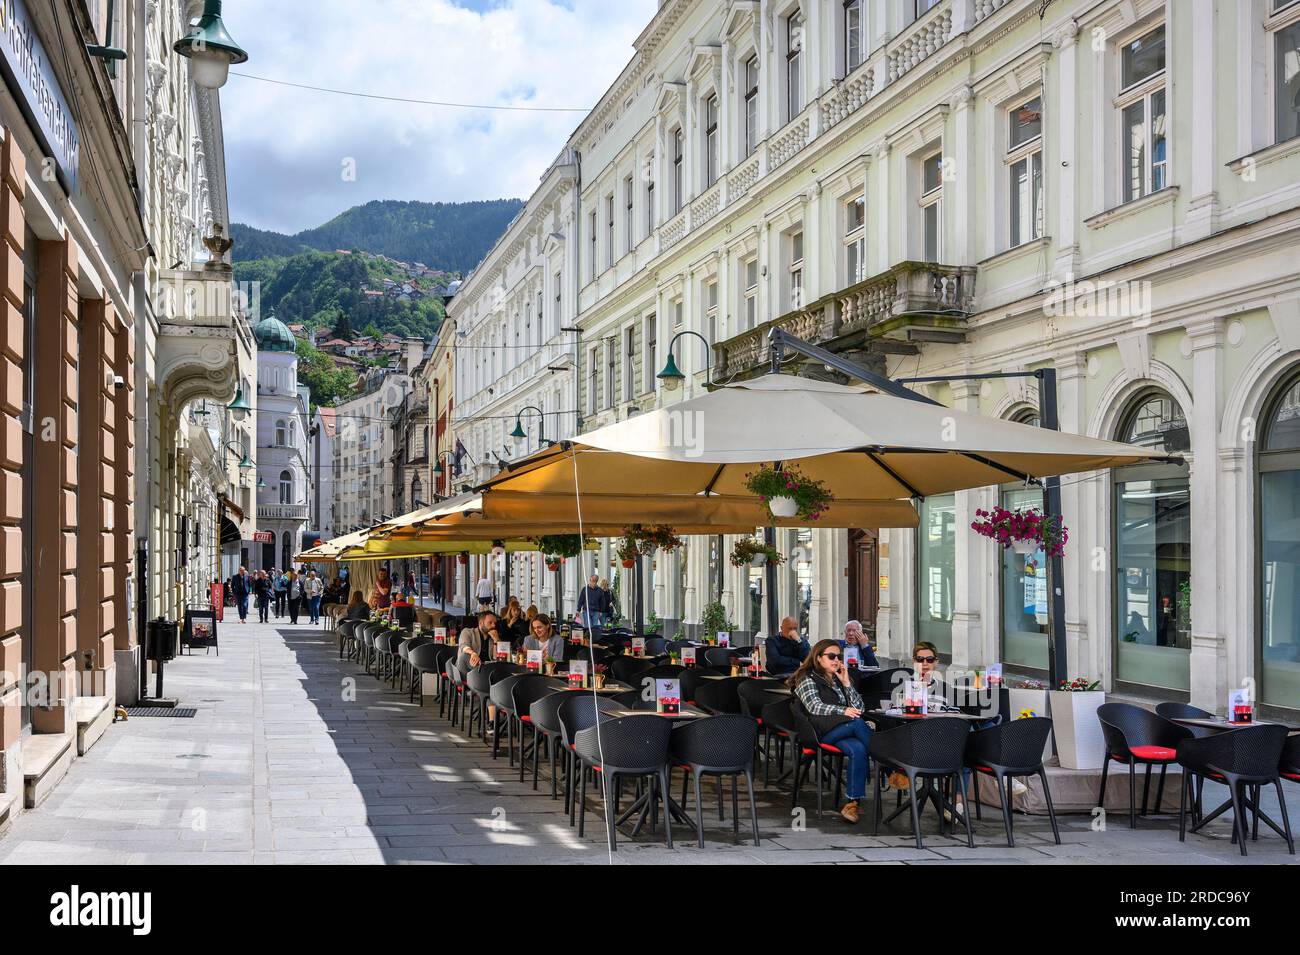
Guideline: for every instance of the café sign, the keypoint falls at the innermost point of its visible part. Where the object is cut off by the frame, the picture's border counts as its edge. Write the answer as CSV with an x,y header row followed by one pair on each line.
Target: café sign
x,y
30,77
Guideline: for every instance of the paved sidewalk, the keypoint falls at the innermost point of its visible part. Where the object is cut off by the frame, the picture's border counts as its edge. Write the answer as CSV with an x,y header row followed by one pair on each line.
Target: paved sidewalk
x,y
278,767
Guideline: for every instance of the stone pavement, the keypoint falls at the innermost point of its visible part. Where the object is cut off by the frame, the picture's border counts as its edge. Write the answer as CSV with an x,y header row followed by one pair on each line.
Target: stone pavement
x,y
276,767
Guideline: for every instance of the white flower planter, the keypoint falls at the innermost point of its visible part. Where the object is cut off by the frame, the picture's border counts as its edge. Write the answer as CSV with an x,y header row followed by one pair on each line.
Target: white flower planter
x,y
1077,731
783,506
1024,547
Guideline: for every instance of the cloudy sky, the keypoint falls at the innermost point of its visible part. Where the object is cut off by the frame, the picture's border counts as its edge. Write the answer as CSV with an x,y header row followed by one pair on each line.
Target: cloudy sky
x,y
289,150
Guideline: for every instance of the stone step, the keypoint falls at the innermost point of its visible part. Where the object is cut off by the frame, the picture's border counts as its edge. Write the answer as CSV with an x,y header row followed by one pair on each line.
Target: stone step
x,y
94,715
46,758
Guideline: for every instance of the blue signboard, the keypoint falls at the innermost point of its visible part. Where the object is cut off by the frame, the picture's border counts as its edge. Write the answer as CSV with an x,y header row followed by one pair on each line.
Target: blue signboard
x,y
31,79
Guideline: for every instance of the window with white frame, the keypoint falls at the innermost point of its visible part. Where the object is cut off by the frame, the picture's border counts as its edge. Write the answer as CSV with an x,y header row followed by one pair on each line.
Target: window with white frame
x,y
648,357
593,379
650,196
677,313
539,317
854,24
1024,161
711,309
286,487
750,87
609,231
679,183
855,240
710,141
749,277
1285,41
594,232
559,299
629,362
795,244
794,40
629,224
931,201
281,433
528,326
919,7
1141,103
611,368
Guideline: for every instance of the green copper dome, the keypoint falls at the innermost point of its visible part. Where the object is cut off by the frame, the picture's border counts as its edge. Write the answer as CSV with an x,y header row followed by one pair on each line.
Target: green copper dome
x,y
273,335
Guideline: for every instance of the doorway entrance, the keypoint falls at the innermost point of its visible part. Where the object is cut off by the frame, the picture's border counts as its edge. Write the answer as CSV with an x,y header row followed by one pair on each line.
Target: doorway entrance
x,y
864,578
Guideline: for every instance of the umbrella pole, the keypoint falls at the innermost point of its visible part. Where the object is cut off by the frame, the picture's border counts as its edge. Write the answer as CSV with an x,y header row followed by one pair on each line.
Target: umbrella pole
x,y
638,590
506,602
769,582
466,566
559,596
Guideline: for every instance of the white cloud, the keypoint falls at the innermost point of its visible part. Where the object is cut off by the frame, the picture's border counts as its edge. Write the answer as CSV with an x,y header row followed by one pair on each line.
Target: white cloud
x,y
286,147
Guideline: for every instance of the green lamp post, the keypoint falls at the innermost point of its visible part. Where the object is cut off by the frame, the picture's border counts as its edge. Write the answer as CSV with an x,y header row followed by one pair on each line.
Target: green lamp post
x,y
210,49
672,376
519,434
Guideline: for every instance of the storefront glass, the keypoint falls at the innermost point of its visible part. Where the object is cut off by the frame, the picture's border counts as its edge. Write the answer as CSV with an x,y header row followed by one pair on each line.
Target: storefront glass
x,y
936,554
1279,564
1024,594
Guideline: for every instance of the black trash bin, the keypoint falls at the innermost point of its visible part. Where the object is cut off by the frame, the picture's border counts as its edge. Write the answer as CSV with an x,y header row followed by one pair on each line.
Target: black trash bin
x,y
160,639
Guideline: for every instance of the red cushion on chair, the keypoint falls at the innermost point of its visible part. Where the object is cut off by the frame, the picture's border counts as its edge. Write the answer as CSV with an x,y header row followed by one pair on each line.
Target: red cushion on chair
x,y
1294,777
805,751
1156,754
525,719
984,769
832,749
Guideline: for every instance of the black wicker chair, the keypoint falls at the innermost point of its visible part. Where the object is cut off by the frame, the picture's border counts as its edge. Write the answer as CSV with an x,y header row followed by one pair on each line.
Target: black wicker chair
x,y
718,746
577,712
544,715
629,746
1289,765
876,685
719,657
1244,760
779,726
1138,737
1006,751
932,749
523,694
423,658
721,696
810,753
692,677
626,669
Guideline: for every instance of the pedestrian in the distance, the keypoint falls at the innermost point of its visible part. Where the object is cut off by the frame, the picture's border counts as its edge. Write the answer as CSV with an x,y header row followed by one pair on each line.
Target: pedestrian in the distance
x,y
262,591
314,589
281,592
295,596
240,586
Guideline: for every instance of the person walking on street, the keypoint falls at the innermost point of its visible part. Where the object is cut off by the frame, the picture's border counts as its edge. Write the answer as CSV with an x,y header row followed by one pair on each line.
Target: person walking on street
x,y
262,591
313,588
591,603
485,593
281,592
436,585
239,586
295,596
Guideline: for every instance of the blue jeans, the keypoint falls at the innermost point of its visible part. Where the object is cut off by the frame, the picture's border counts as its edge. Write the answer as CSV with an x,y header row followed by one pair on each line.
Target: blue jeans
x,y
242,604
853,737
313,607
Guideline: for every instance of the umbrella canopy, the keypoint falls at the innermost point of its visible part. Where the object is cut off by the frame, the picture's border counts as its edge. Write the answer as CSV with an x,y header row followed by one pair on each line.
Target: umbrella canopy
x,y
867,447
330,549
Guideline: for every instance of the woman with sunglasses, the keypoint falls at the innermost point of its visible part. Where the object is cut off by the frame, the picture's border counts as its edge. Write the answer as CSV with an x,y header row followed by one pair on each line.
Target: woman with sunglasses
x,y
835,710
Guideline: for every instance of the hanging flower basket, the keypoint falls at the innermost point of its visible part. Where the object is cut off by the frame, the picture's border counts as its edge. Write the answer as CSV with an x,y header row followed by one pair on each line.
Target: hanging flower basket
x,y
645,537
463,558
557,546
627,551
1025,530
788,493
552,563
749,552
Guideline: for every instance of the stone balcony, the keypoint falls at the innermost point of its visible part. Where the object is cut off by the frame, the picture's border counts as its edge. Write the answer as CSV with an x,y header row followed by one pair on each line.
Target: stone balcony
x,y
281,512
911,302
205,347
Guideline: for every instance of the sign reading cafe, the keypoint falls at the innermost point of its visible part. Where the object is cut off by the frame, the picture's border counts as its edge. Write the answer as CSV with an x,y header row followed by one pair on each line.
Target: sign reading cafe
x,y
31,79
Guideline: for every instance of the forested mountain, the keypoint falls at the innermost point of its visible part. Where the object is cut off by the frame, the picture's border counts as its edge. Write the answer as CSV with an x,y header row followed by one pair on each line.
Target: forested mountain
x,y
451,236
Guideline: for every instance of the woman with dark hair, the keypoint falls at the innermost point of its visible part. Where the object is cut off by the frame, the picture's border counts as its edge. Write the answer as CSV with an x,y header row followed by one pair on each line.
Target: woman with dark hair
x,y
358,609
835,710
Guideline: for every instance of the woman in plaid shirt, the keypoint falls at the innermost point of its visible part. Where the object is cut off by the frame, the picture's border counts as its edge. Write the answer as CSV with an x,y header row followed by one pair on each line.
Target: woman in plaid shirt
x,y
835,710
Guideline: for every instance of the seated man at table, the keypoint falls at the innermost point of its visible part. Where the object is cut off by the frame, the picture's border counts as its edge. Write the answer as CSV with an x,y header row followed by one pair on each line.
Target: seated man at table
x,y
786,650
480,643
854,637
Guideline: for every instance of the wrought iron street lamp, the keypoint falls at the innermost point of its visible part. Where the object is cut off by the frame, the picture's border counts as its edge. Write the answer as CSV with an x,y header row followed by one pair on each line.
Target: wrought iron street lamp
x,y
519,434
210,49
671,376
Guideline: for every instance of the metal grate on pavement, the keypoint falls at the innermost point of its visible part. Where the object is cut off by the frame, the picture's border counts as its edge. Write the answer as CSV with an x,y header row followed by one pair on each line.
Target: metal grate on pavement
x,y
180,712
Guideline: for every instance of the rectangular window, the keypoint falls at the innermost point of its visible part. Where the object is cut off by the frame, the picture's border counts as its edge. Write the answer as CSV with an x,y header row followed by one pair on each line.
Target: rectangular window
x,y
796,270
1025,163
539,317
592,225
750,270
593,379
629,363
609,231
710,141
855,241
650,201
651,341
852,35
611,368
558,319
1141,103
711,309
677,313
936,560
794,36
751,105
931,197
629,224
1286,81
679,184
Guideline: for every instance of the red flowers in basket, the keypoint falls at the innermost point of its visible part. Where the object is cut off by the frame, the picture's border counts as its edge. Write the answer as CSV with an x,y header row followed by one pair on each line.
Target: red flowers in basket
x,y
1029,525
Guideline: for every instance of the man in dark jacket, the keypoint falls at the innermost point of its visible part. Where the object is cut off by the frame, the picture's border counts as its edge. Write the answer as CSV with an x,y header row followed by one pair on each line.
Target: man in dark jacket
x,y
239,586
591,603
786,650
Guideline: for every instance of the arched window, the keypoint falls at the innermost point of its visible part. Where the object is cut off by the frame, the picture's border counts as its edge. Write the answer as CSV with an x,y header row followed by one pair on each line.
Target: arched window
x,y
1279,549
291,432
281,434
1153,551
417,491
286,550
286,487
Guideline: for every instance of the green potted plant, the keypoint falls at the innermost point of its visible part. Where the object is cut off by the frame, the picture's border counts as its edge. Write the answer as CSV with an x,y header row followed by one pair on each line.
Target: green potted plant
x,y
713,620
788,492
559,545
647,536
627,551
654,624
747,552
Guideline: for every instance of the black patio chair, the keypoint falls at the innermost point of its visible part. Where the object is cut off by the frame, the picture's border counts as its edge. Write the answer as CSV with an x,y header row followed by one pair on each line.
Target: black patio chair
x,y
423,659
721,696
523,694
1006,751
1244,760
810,753
345,639
1138,737
876,685
779,726
404,653
625,669
577,712
719,657
717,746
628,746
692,677
932,749
544,715
656,646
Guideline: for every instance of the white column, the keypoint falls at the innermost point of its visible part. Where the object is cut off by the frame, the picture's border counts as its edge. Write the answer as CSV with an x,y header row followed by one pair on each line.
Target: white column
x,y
1065,165
1084,645
961,200
1209,663
878,252
968,564
830,602
1202,209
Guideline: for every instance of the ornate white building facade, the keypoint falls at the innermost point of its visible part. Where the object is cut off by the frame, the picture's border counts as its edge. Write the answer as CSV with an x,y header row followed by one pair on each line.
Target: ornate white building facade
x,y
962,187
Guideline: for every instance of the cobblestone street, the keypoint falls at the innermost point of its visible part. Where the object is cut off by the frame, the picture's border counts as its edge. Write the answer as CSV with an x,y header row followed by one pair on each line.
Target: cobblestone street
x,y
276,768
